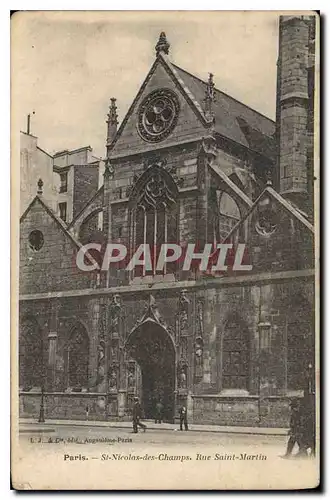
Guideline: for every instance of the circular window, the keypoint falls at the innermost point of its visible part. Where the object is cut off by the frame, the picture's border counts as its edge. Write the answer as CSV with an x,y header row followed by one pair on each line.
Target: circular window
x,y
158,115
266,223
36,240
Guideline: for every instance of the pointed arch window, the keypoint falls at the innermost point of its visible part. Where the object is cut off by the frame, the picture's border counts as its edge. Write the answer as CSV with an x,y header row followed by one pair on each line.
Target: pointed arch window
x,y
154,217
30,355
78,358
224,215
235,355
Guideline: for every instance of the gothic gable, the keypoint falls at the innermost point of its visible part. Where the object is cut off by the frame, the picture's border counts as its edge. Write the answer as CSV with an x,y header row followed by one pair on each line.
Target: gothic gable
x,y
279,237
179,108
48,253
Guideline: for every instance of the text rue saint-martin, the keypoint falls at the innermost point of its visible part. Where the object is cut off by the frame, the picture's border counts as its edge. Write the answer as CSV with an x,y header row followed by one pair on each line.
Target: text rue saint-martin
x,y
127,457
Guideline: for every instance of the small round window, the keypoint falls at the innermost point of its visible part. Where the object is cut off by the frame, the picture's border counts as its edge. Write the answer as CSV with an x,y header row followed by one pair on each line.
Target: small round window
x,y
36,240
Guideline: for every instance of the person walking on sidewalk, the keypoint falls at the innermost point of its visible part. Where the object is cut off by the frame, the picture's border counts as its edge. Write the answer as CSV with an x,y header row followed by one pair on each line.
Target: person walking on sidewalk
x,y
295,428
159,412
137,414
183,418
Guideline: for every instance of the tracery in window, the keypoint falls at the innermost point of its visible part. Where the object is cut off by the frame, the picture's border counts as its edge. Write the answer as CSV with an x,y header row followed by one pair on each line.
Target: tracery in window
x,y
78,358
154,217
235,355
224,215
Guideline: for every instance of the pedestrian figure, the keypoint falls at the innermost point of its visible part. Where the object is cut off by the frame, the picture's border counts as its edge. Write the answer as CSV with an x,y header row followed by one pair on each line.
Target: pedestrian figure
x,y
307,425
183,418
137,414
87,412
295,428
159,412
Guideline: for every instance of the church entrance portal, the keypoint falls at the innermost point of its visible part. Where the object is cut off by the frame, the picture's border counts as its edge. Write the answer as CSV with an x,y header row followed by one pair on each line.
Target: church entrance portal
x,y
151,347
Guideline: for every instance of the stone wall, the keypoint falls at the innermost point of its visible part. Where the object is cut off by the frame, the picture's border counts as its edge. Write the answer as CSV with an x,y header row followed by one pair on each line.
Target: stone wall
x,y
263,303
241,411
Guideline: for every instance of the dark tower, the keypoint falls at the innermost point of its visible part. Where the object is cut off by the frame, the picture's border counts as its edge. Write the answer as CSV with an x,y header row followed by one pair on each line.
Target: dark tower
x,y
295,105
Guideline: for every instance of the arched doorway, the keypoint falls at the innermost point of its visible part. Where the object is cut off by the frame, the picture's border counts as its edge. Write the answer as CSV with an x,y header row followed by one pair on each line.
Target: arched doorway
x,y
152,348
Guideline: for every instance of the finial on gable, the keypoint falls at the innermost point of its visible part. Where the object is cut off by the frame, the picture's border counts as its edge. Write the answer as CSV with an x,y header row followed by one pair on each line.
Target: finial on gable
x,y
269,178
40,186
209,97
162,45
112,122
112,115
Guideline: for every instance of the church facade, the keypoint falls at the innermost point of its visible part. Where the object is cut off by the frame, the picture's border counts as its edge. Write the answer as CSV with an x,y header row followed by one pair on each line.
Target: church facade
x,y
188,164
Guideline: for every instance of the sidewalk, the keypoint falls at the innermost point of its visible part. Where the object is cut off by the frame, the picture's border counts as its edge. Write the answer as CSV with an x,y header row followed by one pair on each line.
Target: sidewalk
x,y
32,425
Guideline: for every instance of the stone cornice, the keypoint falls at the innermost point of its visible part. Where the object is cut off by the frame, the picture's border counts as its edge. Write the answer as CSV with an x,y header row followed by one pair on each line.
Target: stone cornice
x,y
209,283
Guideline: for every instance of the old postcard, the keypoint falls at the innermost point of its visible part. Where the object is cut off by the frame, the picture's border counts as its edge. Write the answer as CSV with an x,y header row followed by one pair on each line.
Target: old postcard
x,y
165,300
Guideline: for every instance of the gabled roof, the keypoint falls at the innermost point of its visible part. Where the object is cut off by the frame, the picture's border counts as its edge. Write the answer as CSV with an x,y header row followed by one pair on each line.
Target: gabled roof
x,y
287,206
59,222
233,119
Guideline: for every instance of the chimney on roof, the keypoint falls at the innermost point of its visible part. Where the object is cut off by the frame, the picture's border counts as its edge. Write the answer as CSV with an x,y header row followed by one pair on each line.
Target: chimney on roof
x,y
28,127
162,45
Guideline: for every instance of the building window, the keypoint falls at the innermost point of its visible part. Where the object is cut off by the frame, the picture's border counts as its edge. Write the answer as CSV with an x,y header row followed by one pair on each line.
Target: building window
x,y
224,214
62,209
154,217
64,182
77,359
30,355
235,355
36,240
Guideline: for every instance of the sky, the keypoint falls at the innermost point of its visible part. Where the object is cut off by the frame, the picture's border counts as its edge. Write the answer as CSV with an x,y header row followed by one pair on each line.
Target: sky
x,y
67,65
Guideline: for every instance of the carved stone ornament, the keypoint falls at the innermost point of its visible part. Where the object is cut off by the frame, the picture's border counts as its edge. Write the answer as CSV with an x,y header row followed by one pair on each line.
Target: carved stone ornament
x,y
115,313
183,311
199,356
109,169
208,148
131,377
162,45
266,223
200,318
113,378
209,98
158,115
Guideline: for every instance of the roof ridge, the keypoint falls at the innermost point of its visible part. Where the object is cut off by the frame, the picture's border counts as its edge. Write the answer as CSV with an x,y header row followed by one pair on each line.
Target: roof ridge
x,y
185,88
224,93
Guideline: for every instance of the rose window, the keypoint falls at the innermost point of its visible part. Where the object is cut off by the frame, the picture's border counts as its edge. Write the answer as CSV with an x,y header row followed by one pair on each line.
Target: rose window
x,y
158,115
